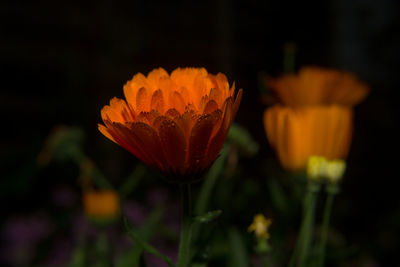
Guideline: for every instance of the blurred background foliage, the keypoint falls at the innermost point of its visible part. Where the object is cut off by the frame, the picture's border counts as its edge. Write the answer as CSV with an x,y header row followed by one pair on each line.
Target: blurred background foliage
x,y
62,61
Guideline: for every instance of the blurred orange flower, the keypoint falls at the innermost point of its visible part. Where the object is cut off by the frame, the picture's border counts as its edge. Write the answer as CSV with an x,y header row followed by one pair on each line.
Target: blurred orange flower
x,y
103,204
314,116
175,123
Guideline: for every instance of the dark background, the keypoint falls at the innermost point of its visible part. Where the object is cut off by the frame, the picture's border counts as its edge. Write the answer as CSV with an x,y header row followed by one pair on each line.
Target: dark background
x,y
60,62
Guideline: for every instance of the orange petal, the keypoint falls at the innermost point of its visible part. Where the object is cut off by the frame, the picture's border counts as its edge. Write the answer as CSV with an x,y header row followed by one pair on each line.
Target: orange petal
x,y
210,107
172,113
131,87
238,100
121,135
199,139
178,102
142,100
218,140
157,101
148,140
105,132
173,142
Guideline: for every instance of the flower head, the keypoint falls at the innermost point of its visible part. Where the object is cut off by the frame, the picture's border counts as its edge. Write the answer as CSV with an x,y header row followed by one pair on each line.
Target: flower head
x,y
314,116
319,86
175,123
260,226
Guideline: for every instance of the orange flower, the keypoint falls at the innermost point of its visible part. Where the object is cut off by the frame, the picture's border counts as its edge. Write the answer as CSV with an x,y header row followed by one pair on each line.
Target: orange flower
x,y
175,123
319,86
315,117
101,204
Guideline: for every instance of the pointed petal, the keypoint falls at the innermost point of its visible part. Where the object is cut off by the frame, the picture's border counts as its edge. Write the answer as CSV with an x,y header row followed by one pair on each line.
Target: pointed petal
x,y
142,100
173,142
210,107
178,102
105,132
147,138
157,101
218,140
172,113
199,139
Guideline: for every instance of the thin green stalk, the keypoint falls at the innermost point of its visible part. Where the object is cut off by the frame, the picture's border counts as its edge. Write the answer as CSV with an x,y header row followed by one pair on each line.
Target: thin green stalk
x,y
264,261
184,245
331,190
300,254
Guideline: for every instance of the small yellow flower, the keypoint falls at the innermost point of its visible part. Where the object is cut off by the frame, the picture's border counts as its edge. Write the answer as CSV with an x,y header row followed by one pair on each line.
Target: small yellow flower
x,y
334,170
316,167
260,226
319,167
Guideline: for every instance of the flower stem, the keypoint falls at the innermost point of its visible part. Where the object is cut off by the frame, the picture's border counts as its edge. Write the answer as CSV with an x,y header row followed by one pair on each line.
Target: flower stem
x,y
184,245
300,254
331,190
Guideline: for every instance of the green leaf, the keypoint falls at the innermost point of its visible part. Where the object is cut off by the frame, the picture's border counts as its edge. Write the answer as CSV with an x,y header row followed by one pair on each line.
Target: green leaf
x,y
207,217
278,196
132,256
146,246
132,181
209,182
242,138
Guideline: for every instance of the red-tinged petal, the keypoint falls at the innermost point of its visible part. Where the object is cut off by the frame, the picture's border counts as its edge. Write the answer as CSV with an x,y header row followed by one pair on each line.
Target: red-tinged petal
x,y
142,100
203,101
157,122
199,139
172,113
173,142
148,140
143,117
237,102
153,115
216,95
218,140
157,101
185,122
125,139
210,107
104,130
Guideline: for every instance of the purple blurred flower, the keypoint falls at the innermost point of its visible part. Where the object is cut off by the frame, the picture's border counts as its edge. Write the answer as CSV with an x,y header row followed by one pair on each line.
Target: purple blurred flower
x,y
157,196
63,196
135,212
21,235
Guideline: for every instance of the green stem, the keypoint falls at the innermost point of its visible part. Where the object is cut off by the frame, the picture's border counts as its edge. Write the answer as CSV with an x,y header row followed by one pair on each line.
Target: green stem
x,y
264,261
184,245
300,254
331,190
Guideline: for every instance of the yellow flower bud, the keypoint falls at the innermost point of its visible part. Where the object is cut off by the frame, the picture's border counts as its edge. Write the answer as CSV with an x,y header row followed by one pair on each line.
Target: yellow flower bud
x,y
316,167
335,170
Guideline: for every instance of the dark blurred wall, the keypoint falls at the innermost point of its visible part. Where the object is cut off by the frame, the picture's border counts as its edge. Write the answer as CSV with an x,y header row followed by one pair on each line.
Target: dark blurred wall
x,y
60,62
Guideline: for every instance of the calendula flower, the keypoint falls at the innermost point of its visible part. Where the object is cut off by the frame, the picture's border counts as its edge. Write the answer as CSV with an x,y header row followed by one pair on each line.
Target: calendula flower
x,y
175,123
102,204
314,116
260,226
319,86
